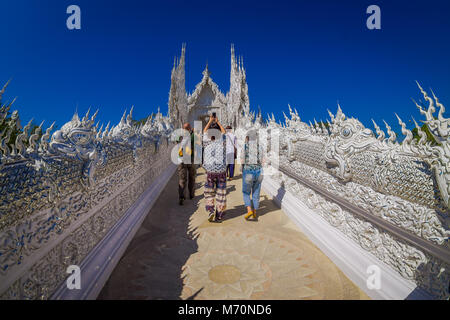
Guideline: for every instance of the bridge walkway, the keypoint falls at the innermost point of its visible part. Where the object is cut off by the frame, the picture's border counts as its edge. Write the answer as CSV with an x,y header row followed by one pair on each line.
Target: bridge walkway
x,y
178,254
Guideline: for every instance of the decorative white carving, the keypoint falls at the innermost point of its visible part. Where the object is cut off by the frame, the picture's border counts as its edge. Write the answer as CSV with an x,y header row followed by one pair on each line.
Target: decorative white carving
x,y
57,201
207,97
394,181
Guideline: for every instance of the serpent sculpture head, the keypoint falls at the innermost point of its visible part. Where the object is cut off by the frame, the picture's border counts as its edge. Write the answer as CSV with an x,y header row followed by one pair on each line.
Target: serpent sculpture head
x,y
76,138
348,136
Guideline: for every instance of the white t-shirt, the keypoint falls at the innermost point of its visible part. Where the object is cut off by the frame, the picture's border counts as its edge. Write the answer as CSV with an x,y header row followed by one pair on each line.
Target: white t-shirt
x,y
231,144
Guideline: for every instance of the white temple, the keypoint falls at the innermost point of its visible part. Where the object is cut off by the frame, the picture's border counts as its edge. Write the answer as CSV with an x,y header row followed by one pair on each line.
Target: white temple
x,y
371,204
207,97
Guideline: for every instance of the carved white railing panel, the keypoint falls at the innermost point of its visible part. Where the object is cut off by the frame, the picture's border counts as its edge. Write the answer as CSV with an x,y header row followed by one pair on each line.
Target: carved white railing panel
x,y
402,186
59,198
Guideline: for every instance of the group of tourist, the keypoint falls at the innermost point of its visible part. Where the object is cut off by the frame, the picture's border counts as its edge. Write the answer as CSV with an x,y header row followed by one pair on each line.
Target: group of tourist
x,y
218,148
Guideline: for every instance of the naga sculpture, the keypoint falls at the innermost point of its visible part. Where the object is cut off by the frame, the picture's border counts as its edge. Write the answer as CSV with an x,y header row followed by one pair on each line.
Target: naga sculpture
x,y
347,137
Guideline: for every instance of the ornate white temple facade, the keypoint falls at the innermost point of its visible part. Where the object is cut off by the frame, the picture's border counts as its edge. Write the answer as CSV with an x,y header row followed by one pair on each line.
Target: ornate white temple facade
x,y
207,97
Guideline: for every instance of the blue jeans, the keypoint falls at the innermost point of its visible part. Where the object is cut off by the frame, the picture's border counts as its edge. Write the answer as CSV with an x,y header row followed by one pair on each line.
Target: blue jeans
x,y
251,186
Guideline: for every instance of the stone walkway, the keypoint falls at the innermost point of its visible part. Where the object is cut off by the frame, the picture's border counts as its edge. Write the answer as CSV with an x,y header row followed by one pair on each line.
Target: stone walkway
x,y
178,254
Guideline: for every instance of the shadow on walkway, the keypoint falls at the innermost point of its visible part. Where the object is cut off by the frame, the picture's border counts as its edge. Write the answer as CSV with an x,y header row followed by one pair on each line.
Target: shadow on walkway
x,y
177,254
151,266
265,206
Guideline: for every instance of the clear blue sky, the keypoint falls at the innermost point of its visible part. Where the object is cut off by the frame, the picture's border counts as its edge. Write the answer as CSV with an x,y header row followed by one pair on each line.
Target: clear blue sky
x,y
306,53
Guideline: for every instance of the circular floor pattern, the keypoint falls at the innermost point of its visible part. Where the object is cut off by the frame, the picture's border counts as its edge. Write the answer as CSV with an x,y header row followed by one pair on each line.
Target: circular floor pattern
x,y
233,264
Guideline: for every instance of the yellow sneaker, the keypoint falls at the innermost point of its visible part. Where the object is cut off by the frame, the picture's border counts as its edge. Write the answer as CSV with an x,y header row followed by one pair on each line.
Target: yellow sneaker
x,y
250,213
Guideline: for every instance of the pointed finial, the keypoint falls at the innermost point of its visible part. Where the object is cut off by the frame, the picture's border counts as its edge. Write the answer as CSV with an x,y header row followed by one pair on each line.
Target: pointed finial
x,y
94,115
87,114
4,88
122,120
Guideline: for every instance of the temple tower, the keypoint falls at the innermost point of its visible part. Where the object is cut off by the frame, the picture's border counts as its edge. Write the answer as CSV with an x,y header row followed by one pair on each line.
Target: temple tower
x,y
177,94
238,102
207,97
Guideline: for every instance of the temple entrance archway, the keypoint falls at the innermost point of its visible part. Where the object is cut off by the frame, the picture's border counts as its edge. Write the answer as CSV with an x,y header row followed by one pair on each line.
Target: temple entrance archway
x,y
204,119
202,114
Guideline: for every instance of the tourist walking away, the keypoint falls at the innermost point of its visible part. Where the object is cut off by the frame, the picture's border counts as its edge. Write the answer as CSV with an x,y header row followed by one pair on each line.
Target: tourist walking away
x,y
186,167
231,152
214,162
252,173
198,147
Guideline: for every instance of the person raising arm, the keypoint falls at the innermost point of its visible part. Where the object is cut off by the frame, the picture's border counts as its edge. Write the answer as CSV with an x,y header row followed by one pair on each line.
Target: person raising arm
x,y
214,123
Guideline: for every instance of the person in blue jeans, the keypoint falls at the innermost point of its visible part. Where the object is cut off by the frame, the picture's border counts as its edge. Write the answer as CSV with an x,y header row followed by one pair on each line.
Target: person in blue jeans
x,y
252,173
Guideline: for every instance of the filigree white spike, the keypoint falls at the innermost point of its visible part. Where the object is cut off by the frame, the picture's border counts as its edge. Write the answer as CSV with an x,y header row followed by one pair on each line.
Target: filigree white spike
x,y
75,118
331,115
106,132
99,132
20,139
340,116
148,121
32,142
4,143
131,111
430,111
407,133
392,135
11,103
130,116
421,133
94,116
4,88
122,120
422,112
440,105
86,117
44,142
5,108
380,133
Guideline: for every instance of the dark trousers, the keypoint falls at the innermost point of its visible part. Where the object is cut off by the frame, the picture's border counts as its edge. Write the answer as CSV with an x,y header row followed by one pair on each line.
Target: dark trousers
x,y
230,170
186,173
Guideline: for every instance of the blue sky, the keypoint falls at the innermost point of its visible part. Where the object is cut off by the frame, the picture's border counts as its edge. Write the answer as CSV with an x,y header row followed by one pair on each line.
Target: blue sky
x,y
310,54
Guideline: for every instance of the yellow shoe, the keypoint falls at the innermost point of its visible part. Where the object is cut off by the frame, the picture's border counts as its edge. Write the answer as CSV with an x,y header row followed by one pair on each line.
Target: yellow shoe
x,y
248,215
254,215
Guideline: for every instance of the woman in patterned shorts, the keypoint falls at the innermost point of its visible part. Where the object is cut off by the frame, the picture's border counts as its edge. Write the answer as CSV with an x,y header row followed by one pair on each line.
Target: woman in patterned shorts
x,y
214,162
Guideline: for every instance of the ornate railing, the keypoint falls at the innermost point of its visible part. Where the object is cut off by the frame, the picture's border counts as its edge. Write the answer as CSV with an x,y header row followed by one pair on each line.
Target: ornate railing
x,y
389,197
60,197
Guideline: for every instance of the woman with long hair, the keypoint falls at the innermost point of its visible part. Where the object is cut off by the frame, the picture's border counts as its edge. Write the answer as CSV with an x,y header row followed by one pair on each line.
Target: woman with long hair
x,y
252,173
